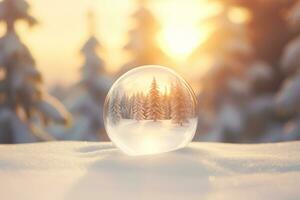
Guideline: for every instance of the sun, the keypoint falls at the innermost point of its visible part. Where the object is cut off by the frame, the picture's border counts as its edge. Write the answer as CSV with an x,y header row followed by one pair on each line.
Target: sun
x,y
183,27
179,42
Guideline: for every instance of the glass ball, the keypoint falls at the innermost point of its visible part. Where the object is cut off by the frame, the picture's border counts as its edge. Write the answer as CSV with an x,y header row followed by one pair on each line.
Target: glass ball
x,y
149,110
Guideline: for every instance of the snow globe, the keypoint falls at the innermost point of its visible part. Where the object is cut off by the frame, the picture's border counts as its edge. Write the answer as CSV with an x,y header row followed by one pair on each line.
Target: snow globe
x,y
149,110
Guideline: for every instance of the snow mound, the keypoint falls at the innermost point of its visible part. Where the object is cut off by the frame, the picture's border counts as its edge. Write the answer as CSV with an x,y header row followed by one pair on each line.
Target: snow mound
x,y
86,170
156,137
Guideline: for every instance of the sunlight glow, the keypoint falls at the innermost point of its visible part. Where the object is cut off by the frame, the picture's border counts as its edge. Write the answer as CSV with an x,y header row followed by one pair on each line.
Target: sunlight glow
x,y
183,27
181,32
239,15
149,145
179,42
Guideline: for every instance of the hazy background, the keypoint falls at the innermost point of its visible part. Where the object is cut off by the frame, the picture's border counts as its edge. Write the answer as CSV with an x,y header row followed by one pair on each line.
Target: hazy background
x,y
63,28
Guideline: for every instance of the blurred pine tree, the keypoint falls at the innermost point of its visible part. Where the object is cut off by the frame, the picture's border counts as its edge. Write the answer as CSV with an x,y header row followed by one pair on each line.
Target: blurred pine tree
x,y
22,94
243,87
86,99
142,44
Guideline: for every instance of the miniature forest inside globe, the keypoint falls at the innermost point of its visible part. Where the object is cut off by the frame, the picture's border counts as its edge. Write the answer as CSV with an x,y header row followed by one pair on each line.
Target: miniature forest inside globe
x,y
150,110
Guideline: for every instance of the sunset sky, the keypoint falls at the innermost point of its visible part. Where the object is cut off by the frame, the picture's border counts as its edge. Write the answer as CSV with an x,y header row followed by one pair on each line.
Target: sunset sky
x,y
63,28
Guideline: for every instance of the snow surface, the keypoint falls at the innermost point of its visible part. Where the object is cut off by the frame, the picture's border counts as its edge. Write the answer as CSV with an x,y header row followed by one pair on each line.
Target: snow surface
x,y
149,137
93,171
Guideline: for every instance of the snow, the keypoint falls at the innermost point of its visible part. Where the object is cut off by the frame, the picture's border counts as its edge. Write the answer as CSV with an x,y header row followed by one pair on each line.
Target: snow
x,y
290,58
86,170
287,100
149,137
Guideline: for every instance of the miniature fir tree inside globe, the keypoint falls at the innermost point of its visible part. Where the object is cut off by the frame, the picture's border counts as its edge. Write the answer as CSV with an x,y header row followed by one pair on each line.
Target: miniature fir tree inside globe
x,y
150,110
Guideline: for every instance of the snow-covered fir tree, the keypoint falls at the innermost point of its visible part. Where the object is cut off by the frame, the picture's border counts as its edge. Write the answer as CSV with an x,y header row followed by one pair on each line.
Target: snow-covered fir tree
x,y
146,105
166,105
135,105
87,97
23,96
268,90
224,88
142,44
131,105
138,107
115,109
125,106
154,111
287,99
244,94
179,109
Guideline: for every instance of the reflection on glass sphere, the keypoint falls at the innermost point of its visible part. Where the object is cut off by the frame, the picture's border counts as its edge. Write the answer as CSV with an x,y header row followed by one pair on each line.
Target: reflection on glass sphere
x,y
150,110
